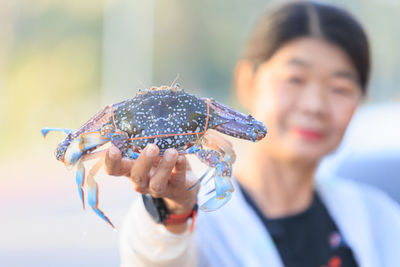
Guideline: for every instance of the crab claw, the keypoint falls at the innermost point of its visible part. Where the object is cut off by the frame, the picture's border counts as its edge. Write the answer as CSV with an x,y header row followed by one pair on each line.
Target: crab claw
x,y
45,131
223,173
214,203
220,172
237,124
82,144
223,187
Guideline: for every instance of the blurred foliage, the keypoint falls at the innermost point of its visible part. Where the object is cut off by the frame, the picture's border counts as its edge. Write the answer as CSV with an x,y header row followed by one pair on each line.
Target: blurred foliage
x,y
51,56
52,72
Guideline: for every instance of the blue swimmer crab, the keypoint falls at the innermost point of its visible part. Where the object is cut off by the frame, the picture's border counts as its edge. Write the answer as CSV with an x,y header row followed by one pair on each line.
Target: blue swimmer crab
x,y
170,118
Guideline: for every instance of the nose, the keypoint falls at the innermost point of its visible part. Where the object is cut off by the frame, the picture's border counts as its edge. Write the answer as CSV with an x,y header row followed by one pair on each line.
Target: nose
x,y
313,99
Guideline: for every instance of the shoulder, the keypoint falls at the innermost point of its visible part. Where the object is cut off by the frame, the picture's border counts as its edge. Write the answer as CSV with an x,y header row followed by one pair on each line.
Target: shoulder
x,y
374,199
363,206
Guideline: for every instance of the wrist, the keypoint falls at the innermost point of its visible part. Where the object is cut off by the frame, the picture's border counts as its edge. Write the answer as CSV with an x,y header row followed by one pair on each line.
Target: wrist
x,y
158,210
181,207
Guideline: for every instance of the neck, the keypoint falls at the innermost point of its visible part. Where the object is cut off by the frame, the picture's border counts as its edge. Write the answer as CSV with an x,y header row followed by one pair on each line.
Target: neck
x,y
279,188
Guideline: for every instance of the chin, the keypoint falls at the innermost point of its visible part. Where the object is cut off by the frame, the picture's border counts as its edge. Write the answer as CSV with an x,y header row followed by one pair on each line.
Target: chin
x,y
311,153
298,150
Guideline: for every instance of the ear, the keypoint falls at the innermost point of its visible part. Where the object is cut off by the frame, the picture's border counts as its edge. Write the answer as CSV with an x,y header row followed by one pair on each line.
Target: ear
x,y
244,79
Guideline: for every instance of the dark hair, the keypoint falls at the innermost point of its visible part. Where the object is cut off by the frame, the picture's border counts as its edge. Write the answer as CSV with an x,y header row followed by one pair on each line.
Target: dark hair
x,y
300,19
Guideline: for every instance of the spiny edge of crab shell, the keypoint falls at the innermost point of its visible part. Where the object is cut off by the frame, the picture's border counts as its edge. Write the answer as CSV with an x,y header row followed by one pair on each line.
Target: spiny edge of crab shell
x,y
161,88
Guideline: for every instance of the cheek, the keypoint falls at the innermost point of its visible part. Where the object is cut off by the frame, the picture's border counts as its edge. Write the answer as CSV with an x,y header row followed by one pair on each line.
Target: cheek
x,y
341,116
271,103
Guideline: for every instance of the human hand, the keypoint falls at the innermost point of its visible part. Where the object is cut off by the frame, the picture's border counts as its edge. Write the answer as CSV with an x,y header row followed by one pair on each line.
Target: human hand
x,y
166,177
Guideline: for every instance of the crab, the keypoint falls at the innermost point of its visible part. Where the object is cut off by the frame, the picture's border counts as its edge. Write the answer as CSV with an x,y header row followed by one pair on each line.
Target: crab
x,y
170,118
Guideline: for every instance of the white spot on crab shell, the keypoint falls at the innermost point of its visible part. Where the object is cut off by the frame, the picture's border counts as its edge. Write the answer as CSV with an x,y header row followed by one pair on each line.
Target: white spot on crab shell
x,y
169,141
124,125
197,130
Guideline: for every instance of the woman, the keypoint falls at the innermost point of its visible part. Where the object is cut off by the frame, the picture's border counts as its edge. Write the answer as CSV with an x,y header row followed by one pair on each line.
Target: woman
x,y
304,72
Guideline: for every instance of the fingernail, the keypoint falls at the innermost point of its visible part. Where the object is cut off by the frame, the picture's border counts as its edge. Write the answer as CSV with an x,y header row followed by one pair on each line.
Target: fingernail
x,y
170,154
113,152
151,150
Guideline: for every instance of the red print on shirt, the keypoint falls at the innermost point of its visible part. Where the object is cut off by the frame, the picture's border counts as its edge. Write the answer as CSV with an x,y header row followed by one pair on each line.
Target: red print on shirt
x,y
334,262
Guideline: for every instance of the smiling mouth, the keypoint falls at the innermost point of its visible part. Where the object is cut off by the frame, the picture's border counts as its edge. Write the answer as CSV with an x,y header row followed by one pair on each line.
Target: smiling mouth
x,y
307,134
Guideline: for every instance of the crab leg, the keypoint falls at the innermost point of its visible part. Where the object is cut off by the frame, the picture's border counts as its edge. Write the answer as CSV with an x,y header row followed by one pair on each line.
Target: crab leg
x,y
80,180
221,170
45,131
93,193
215,141
80,172
210,158
94,155
132,154
200,179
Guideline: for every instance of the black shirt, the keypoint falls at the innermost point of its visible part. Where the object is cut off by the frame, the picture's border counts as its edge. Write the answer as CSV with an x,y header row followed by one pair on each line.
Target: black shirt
x,y
307,239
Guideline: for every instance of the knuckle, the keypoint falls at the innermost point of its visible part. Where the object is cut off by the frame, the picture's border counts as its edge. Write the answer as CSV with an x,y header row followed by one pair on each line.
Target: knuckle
x,y
157,189
167,166
137,178
138,189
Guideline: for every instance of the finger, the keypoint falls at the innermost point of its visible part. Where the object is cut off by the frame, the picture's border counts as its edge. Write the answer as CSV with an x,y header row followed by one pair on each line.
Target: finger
x,y
115,164
139,173
178,173
158,182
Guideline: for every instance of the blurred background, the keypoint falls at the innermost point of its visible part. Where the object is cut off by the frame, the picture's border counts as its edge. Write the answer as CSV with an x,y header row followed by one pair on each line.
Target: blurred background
x,y
61,61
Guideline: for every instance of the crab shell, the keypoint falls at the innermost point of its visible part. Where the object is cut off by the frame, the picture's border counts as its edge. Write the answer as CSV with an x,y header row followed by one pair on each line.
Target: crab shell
x,y
168,117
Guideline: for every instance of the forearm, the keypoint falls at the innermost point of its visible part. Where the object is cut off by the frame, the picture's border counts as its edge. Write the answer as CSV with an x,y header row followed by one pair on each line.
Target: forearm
x,y
146,243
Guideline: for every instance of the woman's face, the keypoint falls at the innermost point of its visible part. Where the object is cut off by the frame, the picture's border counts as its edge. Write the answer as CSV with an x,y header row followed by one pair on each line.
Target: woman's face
x,y
306,95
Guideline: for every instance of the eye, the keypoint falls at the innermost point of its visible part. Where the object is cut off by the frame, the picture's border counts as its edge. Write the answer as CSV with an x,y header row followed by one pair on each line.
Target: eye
x,y
296,80
343,91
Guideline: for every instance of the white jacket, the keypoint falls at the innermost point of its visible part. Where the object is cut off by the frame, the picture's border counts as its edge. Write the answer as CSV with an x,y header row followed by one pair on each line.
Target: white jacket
x,y
235,236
